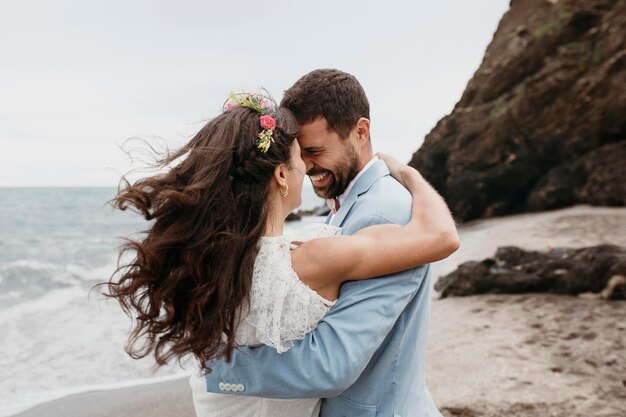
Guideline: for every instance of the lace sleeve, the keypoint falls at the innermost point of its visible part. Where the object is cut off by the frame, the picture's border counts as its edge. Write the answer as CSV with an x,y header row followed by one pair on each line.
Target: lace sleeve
x,y
282,308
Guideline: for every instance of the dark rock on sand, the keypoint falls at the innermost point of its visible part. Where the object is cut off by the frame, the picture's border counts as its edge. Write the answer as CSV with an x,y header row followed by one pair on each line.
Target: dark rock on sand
x,y
322,210
615,289
596,269
293,216
542,124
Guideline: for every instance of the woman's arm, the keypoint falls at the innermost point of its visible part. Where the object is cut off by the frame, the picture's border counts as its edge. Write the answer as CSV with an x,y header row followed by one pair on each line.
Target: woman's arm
x,y
325,263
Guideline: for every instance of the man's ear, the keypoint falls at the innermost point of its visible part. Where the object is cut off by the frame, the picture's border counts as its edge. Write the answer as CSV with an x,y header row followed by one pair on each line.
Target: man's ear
x,y
280,175
363,129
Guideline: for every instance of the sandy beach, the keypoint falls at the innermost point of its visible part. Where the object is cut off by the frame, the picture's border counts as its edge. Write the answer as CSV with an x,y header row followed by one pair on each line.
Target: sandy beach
x,y
531,354
489,355
528,355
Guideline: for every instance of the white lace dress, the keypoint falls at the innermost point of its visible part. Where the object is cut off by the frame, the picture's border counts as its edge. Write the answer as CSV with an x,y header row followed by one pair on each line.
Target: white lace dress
x,y
282,310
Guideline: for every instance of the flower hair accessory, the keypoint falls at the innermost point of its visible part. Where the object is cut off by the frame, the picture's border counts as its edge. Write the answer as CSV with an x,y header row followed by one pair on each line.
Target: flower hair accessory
x,y
263,105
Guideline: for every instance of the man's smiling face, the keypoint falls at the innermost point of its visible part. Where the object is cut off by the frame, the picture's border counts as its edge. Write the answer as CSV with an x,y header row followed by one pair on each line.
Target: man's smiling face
x,y
331,162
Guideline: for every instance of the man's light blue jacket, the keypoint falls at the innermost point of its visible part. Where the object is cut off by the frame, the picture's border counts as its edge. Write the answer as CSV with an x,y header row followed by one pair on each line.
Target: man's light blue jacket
x,y
366,356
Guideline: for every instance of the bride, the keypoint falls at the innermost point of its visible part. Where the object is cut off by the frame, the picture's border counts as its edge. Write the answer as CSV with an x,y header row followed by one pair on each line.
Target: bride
x,y
215,269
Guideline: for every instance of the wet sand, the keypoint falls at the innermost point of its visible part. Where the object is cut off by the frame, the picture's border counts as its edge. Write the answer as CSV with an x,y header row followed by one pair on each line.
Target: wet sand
x,y
169,398
490,355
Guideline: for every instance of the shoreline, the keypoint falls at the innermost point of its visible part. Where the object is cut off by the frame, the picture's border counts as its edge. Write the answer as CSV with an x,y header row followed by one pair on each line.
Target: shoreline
x,y
167,395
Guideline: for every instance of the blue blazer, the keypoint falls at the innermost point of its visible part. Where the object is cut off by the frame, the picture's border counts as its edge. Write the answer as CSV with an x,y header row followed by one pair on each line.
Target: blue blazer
x,y
366,356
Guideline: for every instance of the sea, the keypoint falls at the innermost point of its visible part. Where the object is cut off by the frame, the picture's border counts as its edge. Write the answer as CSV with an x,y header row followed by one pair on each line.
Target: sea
x,y
58,335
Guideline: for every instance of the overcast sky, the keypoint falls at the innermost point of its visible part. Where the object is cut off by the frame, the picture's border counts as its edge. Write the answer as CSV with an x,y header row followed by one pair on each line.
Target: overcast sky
x,y
77,78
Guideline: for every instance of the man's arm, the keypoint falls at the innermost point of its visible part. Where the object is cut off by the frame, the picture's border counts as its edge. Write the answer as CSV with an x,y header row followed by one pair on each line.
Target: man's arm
x,y
331,357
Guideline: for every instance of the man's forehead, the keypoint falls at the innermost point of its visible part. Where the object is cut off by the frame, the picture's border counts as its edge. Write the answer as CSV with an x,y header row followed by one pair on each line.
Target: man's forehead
x,y
316,134
311,141
319,125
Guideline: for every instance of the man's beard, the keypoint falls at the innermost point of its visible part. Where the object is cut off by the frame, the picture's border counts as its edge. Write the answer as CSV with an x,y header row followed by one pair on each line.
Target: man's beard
x,y
342,174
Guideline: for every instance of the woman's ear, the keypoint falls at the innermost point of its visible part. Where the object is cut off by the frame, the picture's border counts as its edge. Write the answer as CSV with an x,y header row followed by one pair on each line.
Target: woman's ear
x,y
280,175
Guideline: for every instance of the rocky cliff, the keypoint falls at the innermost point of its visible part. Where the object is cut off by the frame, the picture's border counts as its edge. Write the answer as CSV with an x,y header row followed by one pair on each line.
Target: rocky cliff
x,y
542,123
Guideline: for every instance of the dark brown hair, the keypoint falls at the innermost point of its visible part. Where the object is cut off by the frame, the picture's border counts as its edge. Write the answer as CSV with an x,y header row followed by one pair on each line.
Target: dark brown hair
x,y
329,93
192,272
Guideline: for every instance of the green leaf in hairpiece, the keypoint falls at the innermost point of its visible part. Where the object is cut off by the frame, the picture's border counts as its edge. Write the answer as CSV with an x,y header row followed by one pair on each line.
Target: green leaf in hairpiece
x,y
254,101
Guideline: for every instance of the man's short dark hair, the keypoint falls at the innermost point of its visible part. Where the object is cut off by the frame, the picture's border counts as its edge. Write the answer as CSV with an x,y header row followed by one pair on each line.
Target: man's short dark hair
x,y
329,93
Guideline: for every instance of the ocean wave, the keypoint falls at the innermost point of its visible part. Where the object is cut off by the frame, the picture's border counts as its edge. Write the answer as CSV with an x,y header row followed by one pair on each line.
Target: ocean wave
x,y
49,302
26,279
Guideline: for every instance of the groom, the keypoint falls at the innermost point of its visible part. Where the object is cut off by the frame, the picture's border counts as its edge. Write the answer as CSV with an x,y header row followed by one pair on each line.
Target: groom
x,y
366,356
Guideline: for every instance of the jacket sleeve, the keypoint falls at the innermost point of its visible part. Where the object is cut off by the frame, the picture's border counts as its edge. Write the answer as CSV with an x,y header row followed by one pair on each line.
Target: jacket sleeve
x,y
331,357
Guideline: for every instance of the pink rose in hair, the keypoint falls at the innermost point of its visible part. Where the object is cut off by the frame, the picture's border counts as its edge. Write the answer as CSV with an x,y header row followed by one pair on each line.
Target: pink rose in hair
x,y
231,105
267,122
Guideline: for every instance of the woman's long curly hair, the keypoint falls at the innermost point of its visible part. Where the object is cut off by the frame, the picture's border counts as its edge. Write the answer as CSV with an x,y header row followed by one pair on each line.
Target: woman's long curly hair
x,y
192,272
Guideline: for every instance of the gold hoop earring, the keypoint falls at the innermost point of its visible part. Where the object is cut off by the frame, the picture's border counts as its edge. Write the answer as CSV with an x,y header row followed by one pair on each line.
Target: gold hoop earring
x,y
284,193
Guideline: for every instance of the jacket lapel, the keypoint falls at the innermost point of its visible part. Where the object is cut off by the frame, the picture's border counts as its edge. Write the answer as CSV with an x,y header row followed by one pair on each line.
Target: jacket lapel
x,y
366,180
